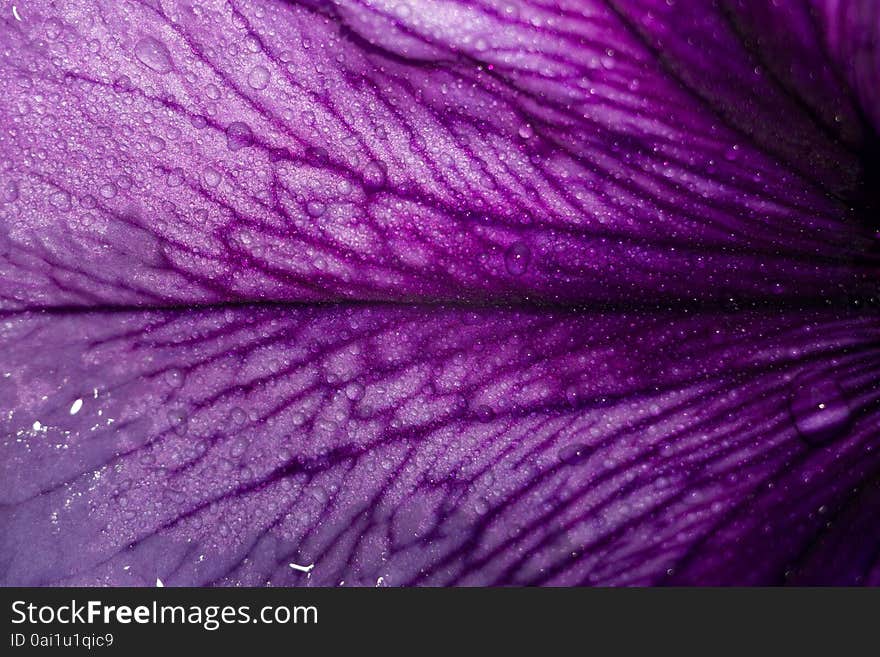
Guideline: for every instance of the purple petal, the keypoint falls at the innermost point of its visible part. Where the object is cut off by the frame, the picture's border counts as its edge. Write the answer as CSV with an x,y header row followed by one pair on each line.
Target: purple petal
x,y
431,446
659,157
193,153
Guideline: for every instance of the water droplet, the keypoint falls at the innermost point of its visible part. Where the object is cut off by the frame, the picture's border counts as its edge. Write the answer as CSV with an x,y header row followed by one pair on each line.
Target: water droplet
x,y
60,200
123,83
315,208
238,447
10,191
258,78
375,175
575,454
108,190
318,154
485,413
76,406
354,391
53,29
174,377
175,177
517,258
237,416
211,176
526,131
153,54
819,410
238,136
179,421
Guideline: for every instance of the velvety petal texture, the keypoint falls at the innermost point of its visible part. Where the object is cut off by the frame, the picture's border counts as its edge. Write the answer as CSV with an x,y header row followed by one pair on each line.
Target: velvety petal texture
x,y
177,152
434,292
430,446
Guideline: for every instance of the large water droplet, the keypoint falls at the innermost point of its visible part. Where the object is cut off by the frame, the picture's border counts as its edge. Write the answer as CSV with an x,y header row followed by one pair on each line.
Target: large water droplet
x,y
575,454
211,176
318,155
153,54
237,416
238,136
179,421
60,200
517,258
175,177
485,413
174,377
53,29
354,391
10,191
258,78
819,409
315,209
375,175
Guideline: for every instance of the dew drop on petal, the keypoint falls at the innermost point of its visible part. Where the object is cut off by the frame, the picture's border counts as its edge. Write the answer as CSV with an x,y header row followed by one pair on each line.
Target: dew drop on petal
x,y
354,391
123,83
239,135
517,258
485,413
526,131
10,191
174,377
819,409
574,454
258,78
318,155
315,208
237,416
53,29
153,54
175,177
375,175
179,421
211,176
60,200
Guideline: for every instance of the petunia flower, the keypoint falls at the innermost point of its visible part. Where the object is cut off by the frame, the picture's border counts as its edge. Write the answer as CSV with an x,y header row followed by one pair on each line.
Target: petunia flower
x,y
434,292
